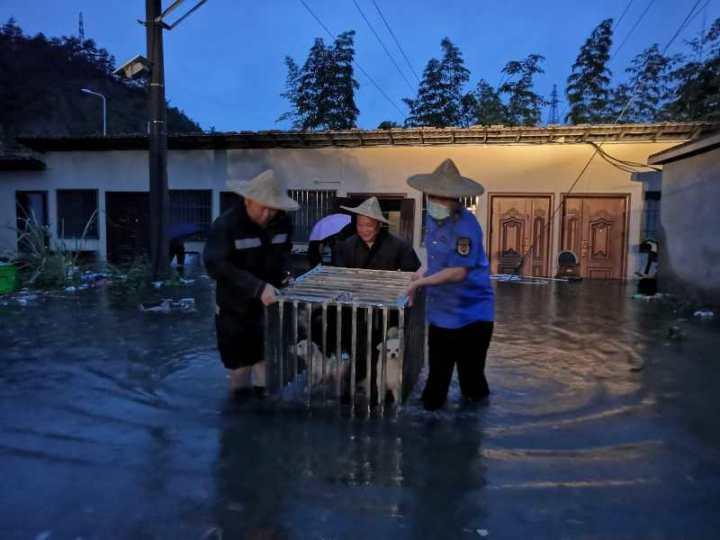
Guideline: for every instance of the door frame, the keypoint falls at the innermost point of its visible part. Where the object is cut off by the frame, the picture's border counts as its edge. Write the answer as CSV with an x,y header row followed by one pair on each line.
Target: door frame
x,y
627,197
523,194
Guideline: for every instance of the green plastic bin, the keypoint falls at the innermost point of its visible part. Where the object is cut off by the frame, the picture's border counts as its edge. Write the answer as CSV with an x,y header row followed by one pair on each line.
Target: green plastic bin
x,y
8,278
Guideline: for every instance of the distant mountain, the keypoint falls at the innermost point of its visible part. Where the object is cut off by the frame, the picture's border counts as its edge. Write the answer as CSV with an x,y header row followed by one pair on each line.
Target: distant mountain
x,y
40,82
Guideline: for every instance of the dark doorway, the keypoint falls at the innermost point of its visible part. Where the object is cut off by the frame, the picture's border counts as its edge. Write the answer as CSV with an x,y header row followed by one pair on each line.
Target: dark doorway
x,y
31,205
31,208
128,222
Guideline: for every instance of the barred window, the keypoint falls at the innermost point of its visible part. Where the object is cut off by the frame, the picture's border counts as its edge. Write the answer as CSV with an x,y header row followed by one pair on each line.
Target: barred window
x,y
314,205
470,203
77,213
191,206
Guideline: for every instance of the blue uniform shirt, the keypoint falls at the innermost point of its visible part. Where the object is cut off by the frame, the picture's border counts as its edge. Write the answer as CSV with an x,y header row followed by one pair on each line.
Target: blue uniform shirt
x,y
452,242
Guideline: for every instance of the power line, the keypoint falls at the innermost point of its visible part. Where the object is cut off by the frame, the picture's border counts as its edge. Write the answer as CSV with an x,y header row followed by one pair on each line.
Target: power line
x,y
637,23
357,64
383,46
684,24
387,25
627,7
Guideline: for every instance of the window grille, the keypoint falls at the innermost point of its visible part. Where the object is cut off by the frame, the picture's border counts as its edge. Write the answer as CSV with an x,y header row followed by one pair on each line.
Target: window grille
x,y
77,208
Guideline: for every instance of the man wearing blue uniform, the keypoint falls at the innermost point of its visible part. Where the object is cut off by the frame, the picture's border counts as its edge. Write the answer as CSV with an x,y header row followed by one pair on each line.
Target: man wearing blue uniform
x,y
460,298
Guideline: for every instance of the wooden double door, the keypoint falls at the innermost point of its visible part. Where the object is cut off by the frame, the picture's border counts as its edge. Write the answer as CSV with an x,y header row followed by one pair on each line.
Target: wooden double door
x,y
594,227
520,225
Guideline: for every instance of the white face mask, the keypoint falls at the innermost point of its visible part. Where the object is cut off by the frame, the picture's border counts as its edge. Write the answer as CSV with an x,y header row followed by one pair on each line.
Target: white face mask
x,y
437,211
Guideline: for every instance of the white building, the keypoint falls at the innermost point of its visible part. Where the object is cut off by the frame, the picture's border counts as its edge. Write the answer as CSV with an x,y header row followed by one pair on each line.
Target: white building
x,y
689,224
527,174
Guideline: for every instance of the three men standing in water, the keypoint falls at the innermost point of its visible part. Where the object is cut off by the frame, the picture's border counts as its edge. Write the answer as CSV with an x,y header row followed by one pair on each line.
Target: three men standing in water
x,y
248,253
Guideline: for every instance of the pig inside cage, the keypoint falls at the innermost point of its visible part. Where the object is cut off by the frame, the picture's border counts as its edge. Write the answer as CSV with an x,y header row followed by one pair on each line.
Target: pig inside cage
x,y
346,335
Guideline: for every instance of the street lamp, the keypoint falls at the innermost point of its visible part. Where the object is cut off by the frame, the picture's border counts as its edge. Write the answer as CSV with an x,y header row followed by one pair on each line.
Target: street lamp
x,y
104,101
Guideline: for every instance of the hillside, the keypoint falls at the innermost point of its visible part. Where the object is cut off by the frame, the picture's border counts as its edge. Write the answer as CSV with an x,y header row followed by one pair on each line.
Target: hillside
x,y
40,82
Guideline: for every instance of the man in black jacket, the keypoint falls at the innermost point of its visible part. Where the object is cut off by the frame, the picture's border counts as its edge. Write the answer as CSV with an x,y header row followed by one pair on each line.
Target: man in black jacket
x,y
248,253
373,247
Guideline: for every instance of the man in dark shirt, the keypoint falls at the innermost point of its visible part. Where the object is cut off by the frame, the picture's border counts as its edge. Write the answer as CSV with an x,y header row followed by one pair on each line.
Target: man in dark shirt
x,y
373,247
248,253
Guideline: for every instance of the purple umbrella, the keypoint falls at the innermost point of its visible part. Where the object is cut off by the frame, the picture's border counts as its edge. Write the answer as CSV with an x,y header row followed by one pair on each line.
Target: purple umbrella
x,y
328,226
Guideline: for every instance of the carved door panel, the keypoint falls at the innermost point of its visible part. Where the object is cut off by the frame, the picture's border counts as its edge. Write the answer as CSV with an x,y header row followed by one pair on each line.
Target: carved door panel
x,y
594,229
518,223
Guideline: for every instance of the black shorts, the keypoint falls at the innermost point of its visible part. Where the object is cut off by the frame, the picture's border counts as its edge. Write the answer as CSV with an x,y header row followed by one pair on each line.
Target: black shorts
x,y
240,337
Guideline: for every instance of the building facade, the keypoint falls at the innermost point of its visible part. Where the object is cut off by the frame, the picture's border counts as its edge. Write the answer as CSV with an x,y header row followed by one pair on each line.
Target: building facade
x,y
535,203
689,223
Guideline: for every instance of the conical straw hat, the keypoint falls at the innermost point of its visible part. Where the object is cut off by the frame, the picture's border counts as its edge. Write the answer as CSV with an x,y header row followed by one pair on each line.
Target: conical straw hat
x,y
267,189
369,208
446,181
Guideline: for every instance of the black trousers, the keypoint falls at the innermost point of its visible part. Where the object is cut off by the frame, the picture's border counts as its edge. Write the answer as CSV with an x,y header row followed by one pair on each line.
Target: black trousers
x,y
240,338
467,346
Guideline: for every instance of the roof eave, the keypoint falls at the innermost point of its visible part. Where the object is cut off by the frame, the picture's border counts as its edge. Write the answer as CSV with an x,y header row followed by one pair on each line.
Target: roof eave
x,y
686,150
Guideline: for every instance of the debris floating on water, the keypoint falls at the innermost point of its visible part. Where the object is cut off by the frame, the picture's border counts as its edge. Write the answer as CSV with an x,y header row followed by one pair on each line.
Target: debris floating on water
x,y
650,297
704,314
167,305
676,333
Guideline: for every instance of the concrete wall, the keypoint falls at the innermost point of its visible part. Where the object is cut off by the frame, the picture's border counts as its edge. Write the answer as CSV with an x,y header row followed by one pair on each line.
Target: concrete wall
x,y
690,222
518,168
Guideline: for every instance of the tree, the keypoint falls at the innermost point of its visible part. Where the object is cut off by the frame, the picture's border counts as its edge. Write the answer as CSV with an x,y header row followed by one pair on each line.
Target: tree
x,y
322,92
588,86
428,108
455,76
696,82
388,124
292,94
648,85
439,101
524,106
483,106
342,112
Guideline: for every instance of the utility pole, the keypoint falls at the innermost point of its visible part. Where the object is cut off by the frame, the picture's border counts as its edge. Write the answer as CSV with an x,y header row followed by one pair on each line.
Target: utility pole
x,y
157,138
553,116
155,23
81,28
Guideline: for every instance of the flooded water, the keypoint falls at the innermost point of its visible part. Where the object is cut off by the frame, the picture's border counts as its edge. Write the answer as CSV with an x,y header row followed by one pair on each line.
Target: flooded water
x,y
117,424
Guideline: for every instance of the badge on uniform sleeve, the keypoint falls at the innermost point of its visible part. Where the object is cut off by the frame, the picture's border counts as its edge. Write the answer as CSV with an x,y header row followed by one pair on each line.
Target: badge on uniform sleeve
x,y
463,246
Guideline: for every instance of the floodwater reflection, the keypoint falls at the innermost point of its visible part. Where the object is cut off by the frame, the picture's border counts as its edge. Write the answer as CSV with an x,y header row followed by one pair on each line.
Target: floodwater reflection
x,y
116,424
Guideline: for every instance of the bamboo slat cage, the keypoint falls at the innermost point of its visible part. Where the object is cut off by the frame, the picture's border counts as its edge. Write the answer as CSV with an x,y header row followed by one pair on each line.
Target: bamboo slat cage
x,y
334,324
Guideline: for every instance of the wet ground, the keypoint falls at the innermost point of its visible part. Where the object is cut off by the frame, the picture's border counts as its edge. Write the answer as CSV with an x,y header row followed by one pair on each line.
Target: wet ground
x,y
116,424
